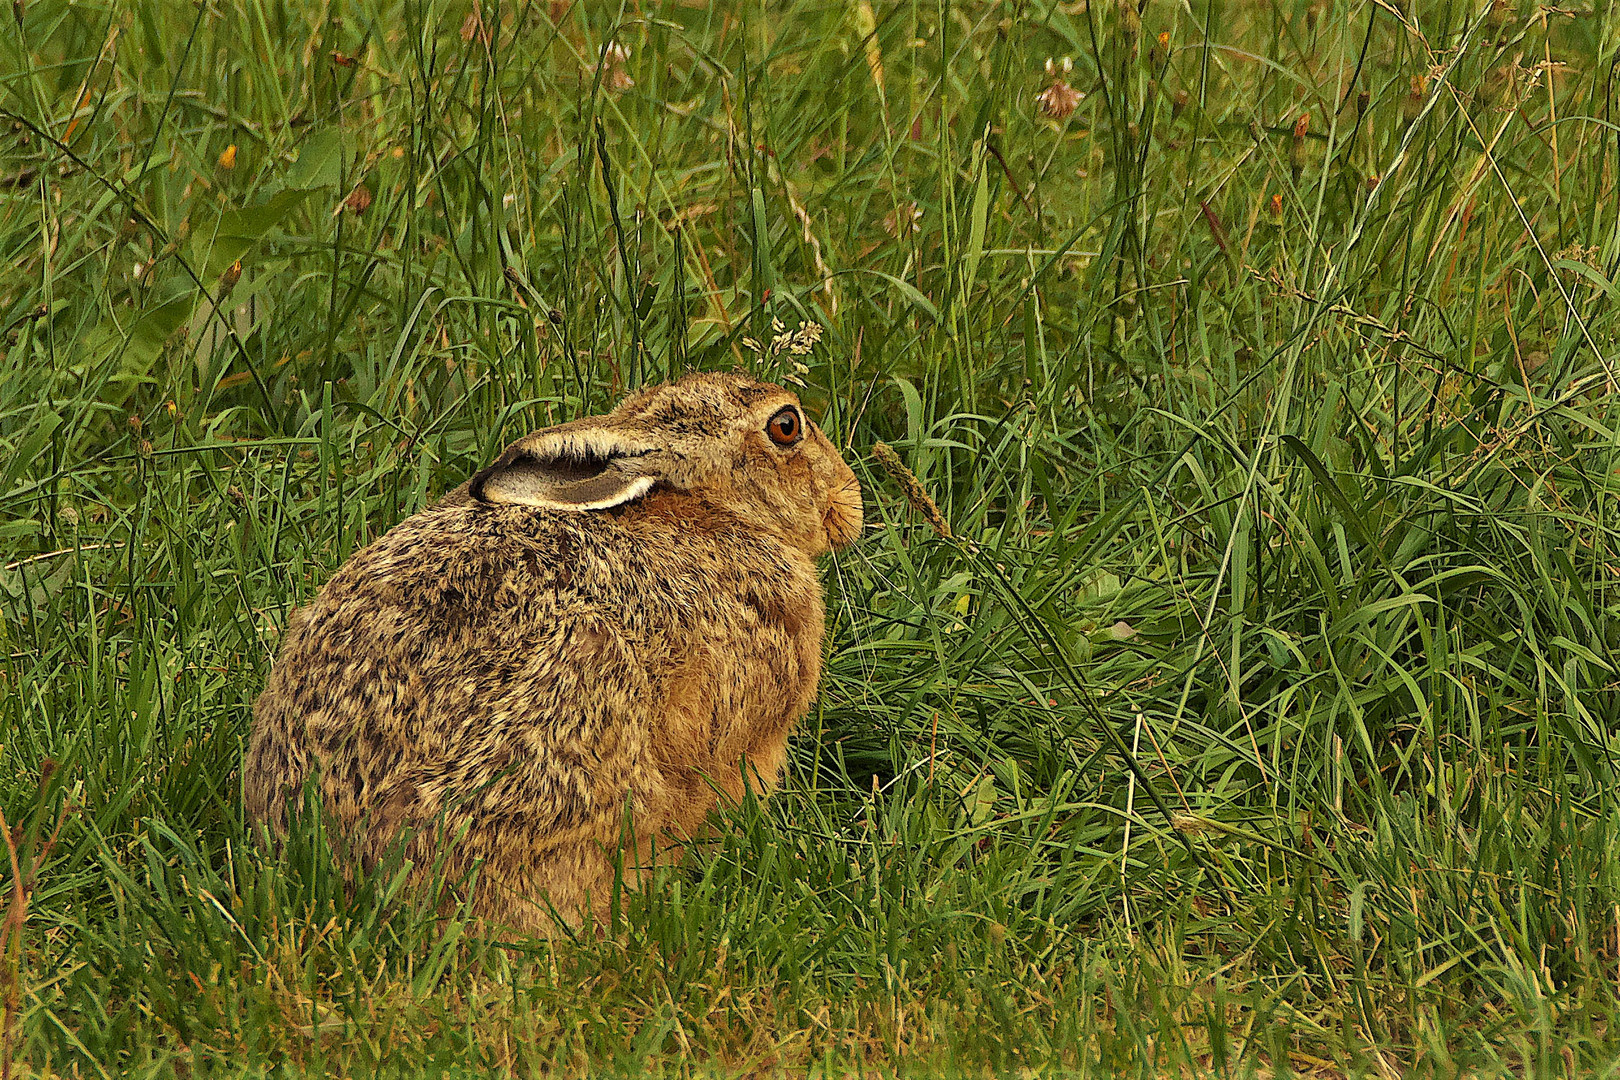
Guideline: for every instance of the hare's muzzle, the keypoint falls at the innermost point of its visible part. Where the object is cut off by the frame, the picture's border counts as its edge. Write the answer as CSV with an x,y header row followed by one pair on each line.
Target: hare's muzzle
x,y
841,514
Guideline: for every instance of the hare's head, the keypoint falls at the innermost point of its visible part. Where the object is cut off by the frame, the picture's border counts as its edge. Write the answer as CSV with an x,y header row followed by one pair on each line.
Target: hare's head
x,y
744,445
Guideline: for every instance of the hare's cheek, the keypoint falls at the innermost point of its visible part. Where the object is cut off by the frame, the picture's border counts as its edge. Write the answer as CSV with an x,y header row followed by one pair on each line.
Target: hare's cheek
x,y
792,477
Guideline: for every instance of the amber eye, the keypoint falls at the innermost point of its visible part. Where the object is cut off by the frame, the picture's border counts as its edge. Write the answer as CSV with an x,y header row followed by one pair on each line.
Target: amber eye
x,y
784,427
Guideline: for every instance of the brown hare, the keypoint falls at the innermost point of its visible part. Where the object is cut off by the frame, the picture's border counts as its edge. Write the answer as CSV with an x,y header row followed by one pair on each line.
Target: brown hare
x,y
618,617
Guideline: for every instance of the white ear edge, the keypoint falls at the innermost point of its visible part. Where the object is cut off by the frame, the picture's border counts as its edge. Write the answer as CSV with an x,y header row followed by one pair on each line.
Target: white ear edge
x,y
497,491
632,491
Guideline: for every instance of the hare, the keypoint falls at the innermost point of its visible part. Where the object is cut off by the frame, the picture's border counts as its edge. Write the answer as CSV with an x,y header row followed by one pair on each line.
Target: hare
x,y
566,661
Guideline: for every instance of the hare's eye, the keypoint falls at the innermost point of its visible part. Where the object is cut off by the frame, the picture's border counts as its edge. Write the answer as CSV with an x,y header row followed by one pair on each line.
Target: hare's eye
x,y
784,427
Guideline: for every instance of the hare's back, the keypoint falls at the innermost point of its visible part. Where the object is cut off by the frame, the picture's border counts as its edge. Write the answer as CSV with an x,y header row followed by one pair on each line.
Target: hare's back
x,y
666,560
464,617
516,658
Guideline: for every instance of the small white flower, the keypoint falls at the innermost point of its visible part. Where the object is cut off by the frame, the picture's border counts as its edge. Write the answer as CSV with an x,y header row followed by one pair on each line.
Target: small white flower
x,y
614,67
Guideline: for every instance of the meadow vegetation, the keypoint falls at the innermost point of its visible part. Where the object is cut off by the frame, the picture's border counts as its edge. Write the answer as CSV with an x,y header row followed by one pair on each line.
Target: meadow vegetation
x,y
1255,713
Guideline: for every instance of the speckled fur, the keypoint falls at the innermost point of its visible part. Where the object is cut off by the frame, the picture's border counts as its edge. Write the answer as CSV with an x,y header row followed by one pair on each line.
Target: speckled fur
x,y
523,677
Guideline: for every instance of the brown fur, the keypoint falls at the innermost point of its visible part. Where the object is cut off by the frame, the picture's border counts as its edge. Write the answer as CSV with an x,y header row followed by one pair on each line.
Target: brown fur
x,y
523,675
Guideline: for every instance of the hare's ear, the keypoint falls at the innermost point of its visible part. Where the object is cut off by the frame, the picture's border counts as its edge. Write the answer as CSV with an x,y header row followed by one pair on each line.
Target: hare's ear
x,y
587,469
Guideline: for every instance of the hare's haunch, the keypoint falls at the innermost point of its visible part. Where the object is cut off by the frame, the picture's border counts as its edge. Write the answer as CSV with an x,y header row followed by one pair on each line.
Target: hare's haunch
x,y
617,617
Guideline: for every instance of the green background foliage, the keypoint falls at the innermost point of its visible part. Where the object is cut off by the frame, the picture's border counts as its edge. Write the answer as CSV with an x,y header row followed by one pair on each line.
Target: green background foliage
x,y
1259,717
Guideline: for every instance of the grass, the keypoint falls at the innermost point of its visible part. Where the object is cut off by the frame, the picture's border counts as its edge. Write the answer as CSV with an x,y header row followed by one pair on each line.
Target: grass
x,y
1259,716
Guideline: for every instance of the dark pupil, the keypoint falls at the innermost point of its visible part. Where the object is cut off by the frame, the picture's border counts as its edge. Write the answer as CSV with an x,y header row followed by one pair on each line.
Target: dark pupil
x,y
786,425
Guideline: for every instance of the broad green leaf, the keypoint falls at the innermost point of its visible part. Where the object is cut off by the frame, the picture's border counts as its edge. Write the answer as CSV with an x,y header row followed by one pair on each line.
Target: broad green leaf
x,y
320,162
764,276
914,410
236,231
909,291
42,426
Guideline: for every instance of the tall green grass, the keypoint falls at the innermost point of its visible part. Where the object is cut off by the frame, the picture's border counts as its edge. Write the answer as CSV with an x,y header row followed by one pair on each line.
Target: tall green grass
x,y
1259,715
